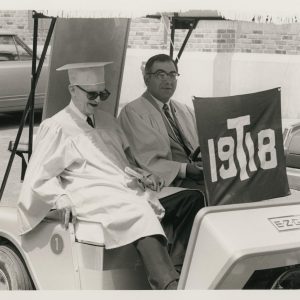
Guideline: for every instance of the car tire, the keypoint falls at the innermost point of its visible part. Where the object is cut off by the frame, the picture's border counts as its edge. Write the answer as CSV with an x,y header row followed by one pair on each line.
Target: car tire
x,y
13,273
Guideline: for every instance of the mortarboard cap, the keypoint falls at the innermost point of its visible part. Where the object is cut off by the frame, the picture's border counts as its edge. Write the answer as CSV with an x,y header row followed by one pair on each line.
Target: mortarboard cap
x,y
86,74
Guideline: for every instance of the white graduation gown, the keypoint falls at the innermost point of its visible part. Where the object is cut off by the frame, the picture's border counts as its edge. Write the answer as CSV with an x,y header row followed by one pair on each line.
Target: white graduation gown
x,y
87,164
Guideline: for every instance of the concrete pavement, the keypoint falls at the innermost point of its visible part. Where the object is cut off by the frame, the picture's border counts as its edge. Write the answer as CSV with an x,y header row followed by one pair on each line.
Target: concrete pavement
x,y
9,124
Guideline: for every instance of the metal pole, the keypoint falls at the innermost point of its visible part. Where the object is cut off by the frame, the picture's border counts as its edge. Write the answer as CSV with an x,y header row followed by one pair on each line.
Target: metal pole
x,y
192,27
47,42
172,36
33,83
36,78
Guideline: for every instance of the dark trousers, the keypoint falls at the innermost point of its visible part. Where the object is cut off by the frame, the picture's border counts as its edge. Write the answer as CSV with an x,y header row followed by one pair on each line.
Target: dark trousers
x,y
162,261
180,211
157,262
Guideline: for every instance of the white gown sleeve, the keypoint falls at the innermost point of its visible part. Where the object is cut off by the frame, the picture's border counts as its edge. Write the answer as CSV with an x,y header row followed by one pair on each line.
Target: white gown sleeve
x,y
41,187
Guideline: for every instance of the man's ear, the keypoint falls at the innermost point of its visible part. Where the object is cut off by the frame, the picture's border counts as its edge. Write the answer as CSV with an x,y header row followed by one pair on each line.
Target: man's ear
x,y
146,79
71,89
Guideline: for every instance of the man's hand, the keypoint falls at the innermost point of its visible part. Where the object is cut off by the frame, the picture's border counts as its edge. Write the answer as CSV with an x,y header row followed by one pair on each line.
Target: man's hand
x,y
194,156
194,170
66,210
153,182
146,179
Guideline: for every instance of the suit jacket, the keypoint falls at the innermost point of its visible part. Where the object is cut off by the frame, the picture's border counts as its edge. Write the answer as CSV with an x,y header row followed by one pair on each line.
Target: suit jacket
x,y
152,141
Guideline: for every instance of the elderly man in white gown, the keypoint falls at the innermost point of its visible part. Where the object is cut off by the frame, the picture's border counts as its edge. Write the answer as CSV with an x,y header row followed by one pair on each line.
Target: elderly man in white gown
x,y
82,166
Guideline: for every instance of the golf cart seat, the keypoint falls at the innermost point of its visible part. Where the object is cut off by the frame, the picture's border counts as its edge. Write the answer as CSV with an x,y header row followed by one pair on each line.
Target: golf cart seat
x,y
76,258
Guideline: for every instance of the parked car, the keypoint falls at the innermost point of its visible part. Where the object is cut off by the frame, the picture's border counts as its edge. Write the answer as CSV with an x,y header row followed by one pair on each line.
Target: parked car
x,y
15,74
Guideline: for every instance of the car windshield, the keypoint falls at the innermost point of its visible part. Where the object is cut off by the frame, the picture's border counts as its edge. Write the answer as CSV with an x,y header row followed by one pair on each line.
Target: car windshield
x,y
8,50
12,49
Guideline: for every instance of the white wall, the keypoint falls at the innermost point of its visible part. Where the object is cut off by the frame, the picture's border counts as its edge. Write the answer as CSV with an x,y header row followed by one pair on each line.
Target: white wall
x,y
222,74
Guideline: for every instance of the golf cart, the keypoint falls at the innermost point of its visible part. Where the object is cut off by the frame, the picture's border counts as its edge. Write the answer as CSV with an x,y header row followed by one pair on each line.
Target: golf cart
x,y
229,248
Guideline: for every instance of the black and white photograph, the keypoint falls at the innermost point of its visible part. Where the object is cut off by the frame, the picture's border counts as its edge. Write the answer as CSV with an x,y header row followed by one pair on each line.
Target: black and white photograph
x,y
150,149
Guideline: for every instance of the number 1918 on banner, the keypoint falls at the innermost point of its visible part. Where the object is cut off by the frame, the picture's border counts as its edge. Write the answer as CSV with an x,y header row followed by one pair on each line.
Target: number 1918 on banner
x,y
227,149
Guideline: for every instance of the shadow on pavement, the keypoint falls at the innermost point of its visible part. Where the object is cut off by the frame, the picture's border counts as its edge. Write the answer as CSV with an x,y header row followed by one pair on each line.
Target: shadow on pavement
x,y
13,119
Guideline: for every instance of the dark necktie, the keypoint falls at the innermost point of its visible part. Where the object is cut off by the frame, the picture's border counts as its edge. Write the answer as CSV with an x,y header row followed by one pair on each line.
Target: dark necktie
x,y
175,129
90,121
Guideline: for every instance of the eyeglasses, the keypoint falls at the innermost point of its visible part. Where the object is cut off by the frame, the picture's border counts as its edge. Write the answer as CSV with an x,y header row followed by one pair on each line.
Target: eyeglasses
x,y
162,75
93,95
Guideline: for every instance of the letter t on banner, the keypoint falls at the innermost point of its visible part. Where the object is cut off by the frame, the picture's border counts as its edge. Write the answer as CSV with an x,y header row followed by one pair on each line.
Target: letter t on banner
x,y
242,147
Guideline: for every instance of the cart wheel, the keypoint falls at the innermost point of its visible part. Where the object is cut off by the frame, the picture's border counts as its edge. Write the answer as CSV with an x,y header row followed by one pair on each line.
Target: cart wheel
x,y
13,274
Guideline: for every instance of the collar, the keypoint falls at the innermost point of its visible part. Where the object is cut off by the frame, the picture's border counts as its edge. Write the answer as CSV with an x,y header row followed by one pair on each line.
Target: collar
x,y
78,112
159,103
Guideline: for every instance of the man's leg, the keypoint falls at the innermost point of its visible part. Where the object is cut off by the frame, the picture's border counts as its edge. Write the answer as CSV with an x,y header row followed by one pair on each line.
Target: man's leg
x,y
180,211
158,264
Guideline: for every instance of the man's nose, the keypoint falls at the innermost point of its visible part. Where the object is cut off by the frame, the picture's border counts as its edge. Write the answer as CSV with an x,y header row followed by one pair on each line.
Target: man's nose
x,y
168,82
168,79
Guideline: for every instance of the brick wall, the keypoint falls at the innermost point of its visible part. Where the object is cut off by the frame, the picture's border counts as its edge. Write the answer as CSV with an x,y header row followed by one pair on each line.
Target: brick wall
x,y
209,36
219,36
21,23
